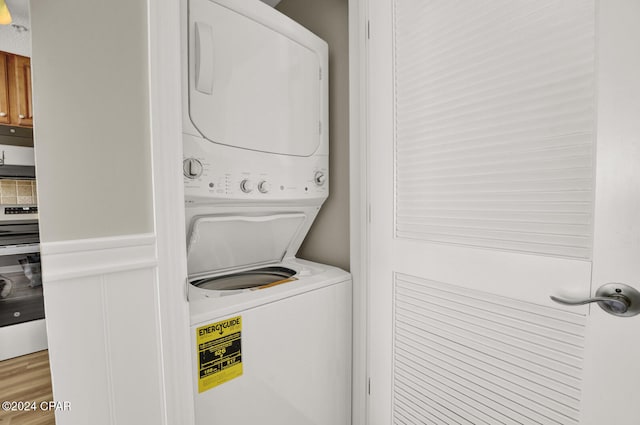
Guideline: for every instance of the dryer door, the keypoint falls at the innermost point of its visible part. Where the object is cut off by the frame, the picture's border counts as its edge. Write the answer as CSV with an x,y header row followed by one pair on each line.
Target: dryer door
x,y
250,86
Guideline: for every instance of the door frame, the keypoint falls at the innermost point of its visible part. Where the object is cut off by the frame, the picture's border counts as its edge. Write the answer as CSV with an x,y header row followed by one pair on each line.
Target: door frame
x,y
359,202
165,104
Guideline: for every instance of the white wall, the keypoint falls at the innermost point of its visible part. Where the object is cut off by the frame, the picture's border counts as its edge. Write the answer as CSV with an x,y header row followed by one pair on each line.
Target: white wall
x,y
113,263
90,84
328,240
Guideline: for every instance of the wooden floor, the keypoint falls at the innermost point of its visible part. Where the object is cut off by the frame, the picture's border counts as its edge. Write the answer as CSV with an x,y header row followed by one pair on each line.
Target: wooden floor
x,y
26,378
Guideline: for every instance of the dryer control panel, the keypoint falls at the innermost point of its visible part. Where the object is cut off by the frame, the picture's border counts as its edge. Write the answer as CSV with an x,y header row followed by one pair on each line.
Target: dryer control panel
x,y
213,171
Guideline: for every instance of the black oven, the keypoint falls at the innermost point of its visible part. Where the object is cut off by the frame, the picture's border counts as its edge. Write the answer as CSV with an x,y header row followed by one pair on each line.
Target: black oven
x,y
21,297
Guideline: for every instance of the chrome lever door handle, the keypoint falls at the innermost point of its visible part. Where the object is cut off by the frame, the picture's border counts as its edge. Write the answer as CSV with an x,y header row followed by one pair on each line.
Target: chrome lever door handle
x,y
614,298
619,303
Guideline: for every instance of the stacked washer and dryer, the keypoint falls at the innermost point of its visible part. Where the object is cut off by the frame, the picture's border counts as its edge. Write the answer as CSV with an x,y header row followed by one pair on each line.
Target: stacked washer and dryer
x,y
271,334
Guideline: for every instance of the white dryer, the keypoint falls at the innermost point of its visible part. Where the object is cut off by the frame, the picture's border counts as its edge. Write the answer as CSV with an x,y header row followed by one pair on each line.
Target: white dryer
x,y
271,334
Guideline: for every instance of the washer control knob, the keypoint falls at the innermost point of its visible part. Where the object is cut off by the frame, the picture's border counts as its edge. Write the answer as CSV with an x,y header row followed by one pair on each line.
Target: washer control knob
x,y
264,186
319,178
246,186
192,168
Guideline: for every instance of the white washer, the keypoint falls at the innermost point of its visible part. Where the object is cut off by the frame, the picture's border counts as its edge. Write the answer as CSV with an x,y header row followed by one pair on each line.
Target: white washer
x,y
271,334
295,351
289,360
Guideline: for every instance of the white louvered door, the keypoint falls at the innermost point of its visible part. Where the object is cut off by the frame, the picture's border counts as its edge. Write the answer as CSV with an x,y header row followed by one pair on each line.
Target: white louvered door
x,y
504,152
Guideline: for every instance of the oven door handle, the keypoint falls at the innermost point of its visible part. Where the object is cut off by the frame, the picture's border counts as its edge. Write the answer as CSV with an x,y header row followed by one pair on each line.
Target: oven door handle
x,y
20,249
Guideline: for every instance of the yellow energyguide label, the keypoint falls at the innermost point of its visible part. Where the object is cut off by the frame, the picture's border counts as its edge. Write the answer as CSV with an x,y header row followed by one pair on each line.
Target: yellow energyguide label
x,y
219,352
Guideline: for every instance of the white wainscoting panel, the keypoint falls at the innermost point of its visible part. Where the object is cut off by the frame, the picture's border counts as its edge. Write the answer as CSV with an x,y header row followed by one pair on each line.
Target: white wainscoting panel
x,y
463,356
89,257
495,120
103,330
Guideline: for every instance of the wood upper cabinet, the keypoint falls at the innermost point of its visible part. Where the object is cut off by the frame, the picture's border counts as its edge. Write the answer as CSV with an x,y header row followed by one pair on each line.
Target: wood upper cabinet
x,y
5,113
22,80
16,107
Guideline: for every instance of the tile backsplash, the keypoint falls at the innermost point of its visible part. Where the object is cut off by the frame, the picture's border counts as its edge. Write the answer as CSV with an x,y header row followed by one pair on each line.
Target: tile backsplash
x,y
18,192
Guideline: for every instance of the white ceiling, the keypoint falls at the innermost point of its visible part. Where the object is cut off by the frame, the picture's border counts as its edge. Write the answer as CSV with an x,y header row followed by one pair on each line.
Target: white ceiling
x,y
10,39
19,10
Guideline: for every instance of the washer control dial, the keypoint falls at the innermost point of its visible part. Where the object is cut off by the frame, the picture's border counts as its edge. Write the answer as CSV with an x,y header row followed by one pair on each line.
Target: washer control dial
x,y
192,168
319,178
246,186
264,186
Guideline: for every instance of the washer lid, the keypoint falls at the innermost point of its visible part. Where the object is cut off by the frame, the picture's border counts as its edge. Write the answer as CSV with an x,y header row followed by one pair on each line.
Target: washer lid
x,y
223,242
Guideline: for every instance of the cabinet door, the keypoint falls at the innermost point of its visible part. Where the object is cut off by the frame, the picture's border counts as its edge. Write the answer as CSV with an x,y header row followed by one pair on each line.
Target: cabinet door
x,y
5,117
23,114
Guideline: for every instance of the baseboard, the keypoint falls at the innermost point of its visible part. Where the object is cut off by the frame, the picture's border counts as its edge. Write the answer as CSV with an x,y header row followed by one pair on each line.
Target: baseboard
x,y
97,256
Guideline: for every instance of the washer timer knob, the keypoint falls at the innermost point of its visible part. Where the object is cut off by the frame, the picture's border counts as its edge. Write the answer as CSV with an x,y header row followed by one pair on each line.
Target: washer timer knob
x,y
264,186
192,168
319,178
246,186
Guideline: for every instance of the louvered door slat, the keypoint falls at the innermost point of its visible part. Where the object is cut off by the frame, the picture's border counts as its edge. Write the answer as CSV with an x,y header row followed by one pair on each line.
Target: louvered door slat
x,y
499,359
495,101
